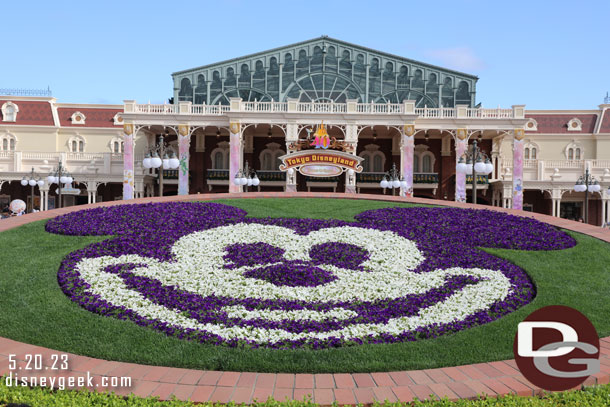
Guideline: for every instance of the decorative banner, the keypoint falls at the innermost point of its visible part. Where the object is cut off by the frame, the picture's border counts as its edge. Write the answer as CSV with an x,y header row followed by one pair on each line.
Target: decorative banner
x,y
128,182
306,158
409,129
518,145
183,154
408,145
234,127
460,179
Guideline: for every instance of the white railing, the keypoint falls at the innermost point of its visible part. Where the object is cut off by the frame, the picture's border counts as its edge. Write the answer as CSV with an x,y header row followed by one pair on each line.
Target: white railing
x,y
480,113
209,109
380,108
264,106
530,163
435,113
601,164
148,108
325,107
85,157
6,154
29,155
314,107
564,164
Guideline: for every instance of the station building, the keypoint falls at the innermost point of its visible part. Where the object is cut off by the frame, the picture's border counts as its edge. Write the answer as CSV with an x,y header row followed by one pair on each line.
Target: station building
x,y
249,111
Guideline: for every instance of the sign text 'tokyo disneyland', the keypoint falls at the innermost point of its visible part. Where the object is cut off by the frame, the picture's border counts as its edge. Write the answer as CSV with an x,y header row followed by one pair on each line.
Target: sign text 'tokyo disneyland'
x,y
321,155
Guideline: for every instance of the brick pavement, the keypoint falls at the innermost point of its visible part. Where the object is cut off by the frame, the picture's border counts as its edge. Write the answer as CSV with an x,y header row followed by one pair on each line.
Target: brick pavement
x,y
491,379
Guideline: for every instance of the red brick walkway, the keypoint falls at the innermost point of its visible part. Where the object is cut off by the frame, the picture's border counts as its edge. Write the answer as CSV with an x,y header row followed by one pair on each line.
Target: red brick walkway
x,y
492,379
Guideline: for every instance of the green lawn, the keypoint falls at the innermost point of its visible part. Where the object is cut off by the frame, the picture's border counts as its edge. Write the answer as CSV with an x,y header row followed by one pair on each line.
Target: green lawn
x,y
35,310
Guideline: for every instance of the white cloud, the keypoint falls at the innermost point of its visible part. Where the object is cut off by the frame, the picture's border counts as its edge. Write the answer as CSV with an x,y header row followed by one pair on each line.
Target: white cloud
x,y
459,58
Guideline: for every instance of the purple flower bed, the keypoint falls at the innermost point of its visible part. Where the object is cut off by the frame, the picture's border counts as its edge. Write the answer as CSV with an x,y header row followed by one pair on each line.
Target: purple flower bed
x,y
446,237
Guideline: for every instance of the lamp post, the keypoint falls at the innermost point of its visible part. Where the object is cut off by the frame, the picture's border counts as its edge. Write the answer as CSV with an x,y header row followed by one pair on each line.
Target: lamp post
x,y
32,180
60,176
474,162
393,180
587,183
246,177
153,160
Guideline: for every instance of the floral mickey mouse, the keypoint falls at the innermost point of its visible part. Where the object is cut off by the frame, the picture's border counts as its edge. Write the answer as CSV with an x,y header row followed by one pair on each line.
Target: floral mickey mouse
x,y
288,282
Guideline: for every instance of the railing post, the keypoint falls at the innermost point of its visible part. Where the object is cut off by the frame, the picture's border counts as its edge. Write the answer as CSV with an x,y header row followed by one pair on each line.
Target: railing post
x,y
129,106
461,111
184,107
292,105
235,105
518,111
409,106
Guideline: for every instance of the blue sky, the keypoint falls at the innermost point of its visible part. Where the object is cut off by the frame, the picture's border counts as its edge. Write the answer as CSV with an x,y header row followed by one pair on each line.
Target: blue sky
x,y
544,54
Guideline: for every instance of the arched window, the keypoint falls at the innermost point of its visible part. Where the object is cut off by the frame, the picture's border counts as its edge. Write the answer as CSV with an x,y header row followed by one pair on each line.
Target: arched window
x,y
8,142
577,154
570,153
374,160
218,160
5,144
116,145
220,156
426,164
9,112
377,163
269,158
416,163
526,154
574,151
76,144
533,153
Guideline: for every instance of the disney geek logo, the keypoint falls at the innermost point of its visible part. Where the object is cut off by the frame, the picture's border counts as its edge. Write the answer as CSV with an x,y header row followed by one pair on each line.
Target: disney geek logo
x,y
557,348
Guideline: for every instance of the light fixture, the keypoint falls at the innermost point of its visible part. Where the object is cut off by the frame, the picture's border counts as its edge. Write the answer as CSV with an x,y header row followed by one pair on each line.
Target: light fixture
x,y
246,177
427,136
269,132
218,133
472,163
393,180
374,135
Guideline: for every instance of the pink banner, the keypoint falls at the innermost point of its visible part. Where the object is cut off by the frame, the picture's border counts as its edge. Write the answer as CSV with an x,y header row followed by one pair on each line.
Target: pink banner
x,y
128,181
235,161
408,144
518,174
460,179
183,170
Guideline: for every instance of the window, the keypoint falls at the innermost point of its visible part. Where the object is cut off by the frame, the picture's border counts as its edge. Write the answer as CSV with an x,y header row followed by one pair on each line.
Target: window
x,y
76,144
533,153
374,160
9,112
574,151
8,142
415,163
270,157
530,151
117,146
218,160
426,164
220,156
78,118
526,154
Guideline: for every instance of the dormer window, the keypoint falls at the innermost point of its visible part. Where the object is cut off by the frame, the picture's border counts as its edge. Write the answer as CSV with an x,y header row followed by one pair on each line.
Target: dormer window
x,y
118,120
532,125
78,118
575,125
9,112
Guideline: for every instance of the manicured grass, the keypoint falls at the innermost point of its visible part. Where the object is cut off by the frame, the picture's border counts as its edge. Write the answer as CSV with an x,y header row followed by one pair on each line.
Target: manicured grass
x,y
588,397
35,310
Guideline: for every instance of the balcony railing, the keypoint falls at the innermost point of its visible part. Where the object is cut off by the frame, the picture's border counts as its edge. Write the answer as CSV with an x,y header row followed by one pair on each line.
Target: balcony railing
x,y
222,175
271,175
481,179
375,177
425,178
351,107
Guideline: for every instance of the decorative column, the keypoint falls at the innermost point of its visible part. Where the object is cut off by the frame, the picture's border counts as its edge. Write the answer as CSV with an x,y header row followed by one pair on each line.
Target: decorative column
x,y
407,146
518,169
128,161
351,136
235,152
184,143
605,203
461,144
292,135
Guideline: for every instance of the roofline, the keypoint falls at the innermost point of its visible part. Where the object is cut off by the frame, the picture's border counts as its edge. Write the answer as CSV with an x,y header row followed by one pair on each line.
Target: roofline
x,y
89,106
562,112
28,98
324,37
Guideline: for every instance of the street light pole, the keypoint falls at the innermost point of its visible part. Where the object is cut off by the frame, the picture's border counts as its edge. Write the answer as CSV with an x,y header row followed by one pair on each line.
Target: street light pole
x,y
32,180
473,162
61,176
153,160
586,184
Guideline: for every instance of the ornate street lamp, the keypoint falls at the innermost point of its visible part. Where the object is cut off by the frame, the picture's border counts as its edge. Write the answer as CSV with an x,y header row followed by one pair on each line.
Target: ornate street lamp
x,y
246,177
32,180
152,159
587,183
60,176
474,162
393,180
